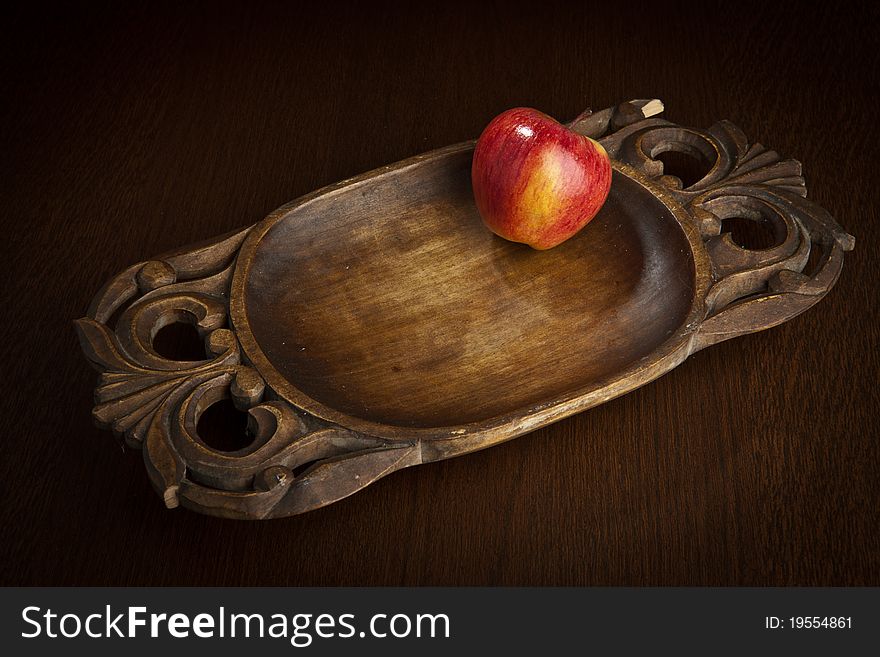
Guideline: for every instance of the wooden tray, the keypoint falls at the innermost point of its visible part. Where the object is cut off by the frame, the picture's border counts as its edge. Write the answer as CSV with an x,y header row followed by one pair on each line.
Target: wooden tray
x,y
376,324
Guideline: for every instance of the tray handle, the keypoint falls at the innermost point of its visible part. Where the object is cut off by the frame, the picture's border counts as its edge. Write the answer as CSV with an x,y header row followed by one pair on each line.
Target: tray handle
x,y
751,290
754,290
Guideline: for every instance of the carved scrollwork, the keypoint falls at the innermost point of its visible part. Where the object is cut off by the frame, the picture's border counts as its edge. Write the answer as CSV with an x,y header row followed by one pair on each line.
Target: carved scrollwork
x,y
752,289
155,403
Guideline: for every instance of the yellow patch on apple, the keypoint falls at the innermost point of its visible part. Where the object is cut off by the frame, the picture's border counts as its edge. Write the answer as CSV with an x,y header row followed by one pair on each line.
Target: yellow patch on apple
x,y
541,197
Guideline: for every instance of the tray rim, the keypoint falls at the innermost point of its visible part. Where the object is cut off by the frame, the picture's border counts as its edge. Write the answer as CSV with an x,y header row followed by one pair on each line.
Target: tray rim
x,y
670,353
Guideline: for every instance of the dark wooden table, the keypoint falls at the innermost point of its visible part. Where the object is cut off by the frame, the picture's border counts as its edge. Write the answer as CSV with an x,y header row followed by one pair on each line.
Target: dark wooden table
x,y
128,131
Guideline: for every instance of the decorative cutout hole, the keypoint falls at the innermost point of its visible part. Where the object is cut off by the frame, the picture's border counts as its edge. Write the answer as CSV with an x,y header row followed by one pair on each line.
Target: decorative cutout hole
x,y
816,259
690,167
752,234
302,467
113,321
223,428
179,341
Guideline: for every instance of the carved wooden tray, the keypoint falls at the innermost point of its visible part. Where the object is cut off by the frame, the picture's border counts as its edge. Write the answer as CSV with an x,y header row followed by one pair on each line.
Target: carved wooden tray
x,y
376,324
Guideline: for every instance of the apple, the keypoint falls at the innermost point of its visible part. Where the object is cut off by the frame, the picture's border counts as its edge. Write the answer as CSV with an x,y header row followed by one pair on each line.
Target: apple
x,y
536,181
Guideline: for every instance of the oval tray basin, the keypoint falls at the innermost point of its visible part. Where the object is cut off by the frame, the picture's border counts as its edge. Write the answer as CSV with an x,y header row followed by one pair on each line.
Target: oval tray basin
x,y
389,301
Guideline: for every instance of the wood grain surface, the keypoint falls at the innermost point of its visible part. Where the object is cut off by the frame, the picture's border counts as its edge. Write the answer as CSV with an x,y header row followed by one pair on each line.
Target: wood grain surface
x,y
406,311
132,130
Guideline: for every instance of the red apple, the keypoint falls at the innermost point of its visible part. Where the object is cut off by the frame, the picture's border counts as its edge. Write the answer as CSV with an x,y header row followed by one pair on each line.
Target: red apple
x,y
535,181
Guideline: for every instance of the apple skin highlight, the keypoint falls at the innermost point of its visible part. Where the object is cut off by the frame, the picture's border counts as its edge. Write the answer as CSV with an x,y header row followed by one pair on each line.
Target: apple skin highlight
x,y
535,181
